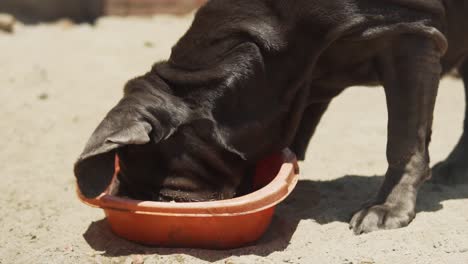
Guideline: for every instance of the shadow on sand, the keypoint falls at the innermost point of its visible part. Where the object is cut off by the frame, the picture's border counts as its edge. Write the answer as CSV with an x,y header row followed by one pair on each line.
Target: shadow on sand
x,y
335,202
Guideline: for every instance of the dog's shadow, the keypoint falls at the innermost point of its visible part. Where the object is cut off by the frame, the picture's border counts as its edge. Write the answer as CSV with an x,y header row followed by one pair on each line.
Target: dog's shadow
x,y
321,201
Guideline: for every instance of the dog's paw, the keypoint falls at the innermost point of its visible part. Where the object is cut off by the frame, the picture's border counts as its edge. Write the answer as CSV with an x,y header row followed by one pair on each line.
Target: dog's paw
x,y
378,217
450,173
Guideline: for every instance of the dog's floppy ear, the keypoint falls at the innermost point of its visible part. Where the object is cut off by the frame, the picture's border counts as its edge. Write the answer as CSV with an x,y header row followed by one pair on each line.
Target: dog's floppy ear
x,y
147,112
95,166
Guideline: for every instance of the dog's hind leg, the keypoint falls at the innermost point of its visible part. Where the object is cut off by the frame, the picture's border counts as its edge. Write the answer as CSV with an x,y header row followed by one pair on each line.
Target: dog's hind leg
x,y
454,169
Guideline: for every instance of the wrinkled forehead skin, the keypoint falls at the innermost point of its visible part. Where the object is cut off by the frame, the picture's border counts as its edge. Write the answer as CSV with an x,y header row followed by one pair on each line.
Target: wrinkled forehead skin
x,y
234,65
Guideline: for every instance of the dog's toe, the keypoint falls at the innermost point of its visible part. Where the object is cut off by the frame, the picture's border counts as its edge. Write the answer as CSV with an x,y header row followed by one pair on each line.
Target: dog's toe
x,y
378,217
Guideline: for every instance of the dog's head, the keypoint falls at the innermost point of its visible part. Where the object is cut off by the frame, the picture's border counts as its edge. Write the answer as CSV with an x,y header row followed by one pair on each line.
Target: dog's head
x,y
169,148
191,128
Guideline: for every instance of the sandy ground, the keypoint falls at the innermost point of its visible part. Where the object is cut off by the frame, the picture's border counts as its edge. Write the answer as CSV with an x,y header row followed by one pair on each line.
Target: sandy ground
x,y
56,84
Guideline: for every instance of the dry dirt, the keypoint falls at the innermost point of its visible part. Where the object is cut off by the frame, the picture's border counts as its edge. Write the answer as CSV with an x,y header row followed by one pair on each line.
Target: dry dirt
x,y
56,83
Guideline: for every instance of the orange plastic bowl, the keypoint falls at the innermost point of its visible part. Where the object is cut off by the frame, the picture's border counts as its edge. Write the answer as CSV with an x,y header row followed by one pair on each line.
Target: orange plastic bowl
x,y
221,224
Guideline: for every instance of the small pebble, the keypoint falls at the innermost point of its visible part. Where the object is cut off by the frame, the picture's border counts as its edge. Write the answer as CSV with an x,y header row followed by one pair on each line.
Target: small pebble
x,y
149,44
138,259
43,96
65,23
68,248
7,22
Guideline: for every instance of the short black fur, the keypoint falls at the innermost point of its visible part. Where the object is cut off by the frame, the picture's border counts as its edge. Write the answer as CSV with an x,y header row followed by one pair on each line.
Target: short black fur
x,y
251,77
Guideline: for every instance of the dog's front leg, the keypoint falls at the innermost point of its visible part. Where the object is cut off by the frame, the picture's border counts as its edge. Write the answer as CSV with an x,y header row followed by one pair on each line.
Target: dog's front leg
x,y
410,73
310,119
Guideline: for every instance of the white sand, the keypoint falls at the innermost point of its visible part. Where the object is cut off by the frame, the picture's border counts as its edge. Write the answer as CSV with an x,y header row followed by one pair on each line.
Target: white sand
x,y
79,73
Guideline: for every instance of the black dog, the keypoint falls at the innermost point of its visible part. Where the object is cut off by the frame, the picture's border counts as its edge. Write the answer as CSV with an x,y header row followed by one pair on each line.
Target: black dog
x,y
251,77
